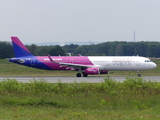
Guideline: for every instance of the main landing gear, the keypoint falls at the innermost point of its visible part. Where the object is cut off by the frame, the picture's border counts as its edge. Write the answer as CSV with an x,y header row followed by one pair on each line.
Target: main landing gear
x,y
138,75
79,75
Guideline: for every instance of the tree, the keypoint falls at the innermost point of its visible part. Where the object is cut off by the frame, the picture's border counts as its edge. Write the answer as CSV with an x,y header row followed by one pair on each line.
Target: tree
x,y
6,50
119,50
157,51
140,49
112,49
150,51
128,49
32,48
56,51
70,48
79,50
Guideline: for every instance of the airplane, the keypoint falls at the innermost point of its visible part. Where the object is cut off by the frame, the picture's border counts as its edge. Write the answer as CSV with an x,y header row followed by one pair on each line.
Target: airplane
x,y
85,65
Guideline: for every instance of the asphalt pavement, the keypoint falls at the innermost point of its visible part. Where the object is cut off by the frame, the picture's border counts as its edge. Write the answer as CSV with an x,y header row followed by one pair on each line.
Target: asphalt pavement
x,y
89,79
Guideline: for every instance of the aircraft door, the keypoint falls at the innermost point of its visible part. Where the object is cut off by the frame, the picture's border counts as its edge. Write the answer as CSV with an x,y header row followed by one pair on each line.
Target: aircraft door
x,y
108,63
71,61
32,61
137,62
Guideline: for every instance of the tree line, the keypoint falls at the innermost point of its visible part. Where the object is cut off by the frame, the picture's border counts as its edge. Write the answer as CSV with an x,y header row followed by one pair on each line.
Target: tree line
x,y
146,49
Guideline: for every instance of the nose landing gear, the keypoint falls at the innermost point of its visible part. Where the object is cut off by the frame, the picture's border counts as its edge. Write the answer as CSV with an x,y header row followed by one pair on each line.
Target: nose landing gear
x,y
138,75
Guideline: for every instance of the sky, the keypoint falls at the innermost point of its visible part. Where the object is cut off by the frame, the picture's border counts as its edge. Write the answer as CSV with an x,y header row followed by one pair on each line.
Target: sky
x,y
38,21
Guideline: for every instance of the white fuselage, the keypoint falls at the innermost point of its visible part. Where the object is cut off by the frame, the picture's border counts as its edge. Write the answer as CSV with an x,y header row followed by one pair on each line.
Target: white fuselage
x,y
118,63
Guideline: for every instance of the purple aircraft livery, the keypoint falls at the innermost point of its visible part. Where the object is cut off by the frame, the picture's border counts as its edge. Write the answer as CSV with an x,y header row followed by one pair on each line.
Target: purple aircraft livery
x,y
85,65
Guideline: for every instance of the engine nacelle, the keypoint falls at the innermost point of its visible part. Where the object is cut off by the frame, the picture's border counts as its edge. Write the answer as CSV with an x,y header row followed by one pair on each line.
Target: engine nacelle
x,y
92,71
104,72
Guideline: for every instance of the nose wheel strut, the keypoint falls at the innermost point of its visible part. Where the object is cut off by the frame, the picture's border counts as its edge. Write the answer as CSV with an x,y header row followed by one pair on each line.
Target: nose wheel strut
x,y
138,75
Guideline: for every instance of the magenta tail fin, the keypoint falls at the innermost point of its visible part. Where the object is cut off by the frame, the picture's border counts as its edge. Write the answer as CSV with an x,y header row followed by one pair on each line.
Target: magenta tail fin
x,y
19,49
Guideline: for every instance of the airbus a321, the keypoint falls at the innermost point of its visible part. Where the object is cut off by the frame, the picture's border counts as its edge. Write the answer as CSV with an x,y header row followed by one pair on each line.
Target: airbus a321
x,y
85,65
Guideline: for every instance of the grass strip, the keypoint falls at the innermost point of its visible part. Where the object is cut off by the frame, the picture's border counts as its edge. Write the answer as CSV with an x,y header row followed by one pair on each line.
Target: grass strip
x,y
135,98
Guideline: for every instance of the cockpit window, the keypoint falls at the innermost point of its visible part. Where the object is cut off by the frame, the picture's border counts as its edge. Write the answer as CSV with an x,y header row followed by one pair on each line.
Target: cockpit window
x,y
148,61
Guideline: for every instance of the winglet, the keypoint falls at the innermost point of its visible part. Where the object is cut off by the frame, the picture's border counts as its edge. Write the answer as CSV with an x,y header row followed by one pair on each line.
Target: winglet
x,y
19,49
51,59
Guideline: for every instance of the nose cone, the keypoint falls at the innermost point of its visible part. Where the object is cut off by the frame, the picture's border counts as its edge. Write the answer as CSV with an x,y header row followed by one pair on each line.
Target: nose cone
x,y
153,65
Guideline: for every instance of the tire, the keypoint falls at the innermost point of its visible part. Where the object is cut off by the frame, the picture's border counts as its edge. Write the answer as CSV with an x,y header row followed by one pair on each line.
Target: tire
x,y
139,75
78,74
85,75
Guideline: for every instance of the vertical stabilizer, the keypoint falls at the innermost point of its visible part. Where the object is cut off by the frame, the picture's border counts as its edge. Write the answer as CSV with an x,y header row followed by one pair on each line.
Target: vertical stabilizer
x,y
19,49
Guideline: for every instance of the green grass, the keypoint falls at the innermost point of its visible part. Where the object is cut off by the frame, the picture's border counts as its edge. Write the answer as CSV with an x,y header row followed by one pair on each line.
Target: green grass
x,y
10,69
50,113
133,99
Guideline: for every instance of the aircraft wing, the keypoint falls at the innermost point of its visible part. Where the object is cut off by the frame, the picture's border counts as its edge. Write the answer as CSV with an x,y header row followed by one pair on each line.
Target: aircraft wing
x,y
70,65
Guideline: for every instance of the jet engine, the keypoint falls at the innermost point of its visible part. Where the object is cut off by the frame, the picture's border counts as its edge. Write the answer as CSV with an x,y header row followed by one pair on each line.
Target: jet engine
x,y
92,71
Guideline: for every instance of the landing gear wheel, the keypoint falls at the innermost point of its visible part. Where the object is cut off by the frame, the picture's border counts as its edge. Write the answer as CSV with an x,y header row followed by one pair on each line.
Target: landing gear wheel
x,y
85,75
78,74
139,75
